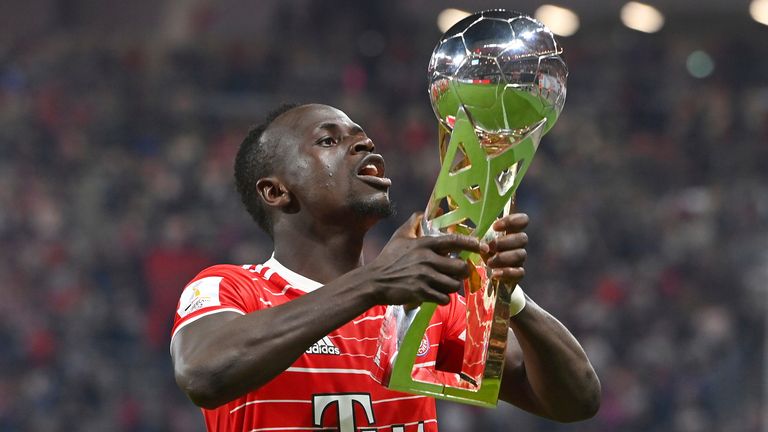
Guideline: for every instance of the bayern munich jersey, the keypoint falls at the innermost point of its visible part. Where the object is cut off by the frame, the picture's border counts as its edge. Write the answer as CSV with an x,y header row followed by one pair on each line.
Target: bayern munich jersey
x,y
334,385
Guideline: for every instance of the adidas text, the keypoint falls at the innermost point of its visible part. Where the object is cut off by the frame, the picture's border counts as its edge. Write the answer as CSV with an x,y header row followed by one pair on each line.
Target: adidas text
x,y
324,346
323,349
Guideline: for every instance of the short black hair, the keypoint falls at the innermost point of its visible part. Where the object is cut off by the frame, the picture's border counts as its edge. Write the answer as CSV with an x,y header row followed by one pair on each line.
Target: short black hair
x,y
255,161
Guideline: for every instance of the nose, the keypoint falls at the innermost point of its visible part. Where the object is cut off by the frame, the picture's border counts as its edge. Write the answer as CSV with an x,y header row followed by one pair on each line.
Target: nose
x,y
365,145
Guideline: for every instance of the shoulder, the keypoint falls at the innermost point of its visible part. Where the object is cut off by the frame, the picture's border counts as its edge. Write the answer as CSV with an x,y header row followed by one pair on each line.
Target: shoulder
x,y
223,286
225,280
248,274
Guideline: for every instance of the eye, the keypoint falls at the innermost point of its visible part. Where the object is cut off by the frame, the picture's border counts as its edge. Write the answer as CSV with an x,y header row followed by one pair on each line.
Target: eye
x,y
327,141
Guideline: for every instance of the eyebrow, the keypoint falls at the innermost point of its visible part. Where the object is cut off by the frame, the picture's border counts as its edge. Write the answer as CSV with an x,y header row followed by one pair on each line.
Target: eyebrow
x,y
353,130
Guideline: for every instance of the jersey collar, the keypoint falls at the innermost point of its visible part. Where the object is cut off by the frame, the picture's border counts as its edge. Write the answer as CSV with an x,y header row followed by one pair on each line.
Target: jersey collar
x,y
294,279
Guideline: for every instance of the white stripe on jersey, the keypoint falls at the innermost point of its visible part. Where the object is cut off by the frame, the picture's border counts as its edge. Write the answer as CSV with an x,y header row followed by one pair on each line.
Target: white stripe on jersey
x,y
334,371
396,399
269,401
435,324
275,293
368,318
266,302
301,401
370,428
354,338
268,274
294,429
356,355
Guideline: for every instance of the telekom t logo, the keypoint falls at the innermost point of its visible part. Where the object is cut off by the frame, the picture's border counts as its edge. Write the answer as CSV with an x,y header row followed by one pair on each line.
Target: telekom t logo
x,y
346,404
346,408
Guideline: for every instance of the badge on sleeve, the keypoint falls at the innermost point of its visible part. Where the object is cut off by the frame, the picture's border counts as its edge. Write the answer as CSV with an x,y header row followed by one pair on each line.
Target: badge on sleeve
x,y
199,294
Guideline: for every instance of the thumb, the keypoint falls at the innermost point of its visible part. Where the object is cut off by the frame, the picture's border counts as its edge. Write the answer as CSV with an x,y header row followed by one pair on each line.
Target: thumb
x,y
411,228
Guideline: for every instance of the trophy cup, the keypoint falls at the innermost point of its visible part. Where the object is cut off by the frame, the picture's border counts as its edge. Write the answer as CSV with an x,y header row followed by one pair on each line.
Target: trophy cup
x,y
497,84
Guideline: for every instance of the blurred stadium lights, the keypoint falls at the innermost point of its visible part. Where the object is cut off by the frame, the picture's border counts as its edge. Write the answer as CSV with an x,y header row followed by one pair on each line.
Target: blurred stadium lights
x,y
448,17
759,11
642,17
563,22
700,64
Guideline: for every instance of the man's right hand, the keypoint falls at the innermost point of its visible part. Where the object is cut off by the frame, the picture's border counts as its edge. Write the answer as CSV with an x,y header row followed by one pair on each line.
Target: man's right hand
x,y
412,269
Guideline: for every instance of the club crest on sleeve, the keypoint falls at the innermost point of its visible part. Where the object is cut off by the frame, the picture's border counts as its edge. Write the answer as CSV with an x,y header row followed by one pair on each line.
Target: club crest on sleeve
x,y
423,347
199,294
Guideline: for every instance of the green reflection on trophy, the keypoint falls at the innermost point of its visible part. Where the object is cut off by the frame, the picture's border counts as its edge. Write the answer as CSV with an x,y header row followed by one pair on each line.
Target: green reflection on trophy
x,y
497,85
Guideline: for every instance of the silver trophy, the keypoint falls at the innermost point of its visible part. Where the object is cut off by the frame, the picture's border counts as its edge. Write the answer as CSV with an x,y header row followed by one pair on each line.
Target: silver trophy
x,y
497,84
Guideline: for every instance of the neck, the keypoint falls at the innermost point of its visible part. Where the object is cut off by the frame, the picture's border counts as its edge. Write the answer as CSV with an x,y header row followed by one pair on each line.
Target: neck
x,y
320,253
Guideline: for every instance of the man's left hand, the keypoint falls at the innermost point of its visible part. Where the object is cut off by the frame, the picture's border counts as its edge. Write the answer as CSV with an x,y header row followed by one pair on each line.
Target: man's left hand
x,y
507,252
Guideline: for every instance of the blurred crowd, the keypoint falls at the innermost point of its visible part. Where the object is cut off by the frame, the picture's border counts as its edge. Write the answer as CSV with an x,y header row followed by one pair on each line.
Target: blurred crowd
x,y
648,201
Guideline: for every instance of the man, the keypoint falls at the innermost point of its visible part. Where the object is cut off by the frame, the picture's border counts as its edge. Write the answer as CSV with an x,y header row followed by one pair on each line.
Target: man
x,y
289,345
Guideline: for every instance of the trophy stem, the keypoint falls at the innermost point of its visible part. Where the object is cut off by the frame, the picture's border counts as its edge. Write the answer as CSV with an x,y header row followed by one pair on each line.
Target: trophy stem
x,y
478,179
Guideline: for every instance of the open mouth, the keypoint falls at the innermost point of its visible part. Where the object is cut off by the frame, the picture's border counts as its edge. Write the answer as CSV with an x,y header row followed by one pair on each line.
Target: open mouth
x,y
371,170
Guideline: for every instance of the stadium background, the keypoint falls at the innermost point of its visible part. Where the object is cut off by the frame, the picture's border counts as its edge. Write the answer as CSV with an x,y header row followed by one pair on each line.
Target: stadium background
x,y
118,126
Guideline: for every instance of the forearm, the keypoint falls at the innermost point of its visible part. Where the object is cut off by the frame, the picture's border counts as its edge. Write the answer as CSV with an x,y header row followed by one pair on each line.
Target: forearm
x,y
236,356
562,383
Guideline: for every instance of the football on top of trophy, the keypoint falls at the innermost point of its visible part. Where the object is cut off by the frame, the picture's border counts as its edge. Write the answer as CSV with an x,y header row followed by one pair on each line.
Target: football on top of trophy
x,y
504,68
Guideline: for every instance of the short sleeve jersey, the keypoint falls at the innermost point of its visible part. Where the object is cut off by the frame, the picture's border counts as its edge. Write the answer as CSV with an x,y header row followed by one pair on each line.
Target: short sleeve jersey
x,y
334,385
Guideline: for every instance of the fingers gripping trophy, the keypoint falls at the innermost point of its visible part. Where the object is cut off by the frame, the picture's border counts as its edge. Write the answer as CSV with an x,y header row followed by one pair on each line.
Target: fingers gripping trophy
x,y
497,84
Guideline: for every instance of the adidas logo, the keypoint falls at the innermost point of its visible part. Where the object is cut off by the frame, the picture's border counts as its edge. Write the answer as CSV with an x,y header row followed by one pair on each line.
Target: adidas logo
x,y
324,346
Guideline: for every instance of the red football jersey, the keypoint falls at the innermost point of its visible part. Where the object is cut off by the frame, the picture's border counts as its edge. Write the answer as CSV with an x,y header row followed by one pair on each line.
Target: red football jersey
x,y
333,386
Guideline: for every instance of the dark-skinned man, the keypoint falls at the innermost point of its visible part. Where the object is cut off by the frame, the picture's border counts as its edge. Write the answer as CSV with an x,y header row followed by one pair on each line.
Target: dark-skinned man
x,y
289,344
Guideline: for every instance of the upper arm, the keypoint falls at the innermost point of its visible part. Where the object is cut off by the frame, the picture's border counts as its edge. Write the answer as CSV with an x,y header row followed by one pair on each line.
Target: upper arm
x,y
515,388
190,342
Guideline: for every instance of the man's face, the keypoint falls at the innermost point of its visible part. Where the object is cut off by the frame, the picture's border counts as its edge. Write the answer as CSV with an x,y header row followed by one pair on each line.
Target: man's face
x,y
328,164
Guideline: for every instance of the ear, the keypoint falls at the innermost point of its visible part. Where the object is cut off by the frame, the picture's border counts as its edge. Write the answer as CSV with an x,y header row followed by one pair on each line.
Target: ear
x,y
274,193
